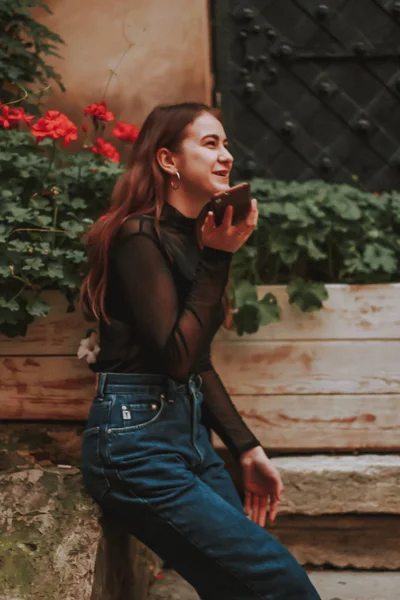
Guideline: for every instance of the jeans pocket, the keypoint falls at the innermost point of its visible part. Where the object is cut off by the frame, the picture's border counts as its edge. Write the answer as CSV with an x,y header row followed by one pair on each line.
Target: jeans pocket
x,y
92,469
133,412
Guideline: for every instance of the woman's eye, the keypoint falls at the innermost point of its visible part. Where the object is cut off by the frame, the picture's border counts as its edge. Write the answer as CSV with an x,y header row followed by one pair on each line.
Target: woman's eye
x,y
211,144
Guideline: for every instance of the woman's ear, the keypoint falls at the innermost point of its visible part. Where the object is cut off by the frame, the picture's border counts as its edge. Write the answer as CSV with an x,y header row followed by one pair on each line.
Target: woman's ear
x,y
166,161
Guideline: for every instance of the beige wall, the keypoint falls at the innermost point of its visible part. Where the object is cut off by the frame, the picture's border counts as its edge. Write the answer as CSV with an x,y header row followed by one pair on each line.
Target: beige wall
x,y
169,61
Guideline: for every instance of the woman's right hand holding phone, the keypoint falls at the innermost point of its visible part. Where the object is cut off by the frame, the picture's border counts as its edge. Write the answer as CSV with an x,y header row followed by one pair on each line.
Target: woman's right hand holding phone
x,y
229,237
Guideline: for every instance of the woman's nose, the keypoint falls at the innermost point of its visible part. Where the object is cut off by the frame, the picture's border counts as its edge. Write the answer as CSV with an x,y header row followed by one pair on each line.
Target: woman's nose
x,y
226,156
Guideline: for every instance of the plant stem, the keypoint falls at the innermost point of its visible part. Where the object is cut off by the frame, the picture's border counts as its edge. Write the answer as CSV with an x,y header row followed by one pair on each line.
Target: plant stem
x,y
113,72
21,290
55,215
35,229
52,157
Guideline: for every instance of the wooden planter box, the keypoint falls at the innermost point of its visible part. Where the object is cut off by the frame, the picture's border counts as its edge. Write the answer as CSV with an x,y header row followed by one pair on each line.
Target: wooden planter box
x,y
328,380
314,383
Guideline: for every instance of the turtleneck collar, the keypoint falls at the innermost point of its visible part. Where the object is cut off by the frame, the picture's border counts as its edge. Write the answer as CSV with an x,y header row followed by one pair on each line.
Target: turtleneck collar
x,y
172,216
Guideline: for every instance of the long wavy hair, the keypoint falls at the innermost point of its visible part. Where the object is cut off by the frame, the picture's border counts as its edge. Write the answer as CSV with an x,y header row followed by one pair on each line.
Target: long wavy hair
x,y
140,190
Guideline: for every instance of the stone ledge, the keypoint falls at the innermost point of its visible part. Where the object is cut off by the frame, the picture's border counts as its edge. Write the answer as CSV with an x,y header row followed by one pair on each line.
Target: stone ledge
x,y
52,546
341,541
317,485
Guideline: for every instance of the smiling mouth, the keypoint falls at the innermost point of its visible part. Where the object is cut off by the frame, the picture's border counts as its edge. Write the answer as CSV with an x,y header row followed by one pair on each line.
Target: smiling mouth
x,y
221,173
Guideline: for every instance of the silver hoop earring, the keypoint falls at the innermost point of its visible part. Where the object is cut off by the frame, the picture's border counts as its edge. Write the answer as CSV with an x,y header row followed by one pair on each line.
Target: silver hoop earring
x,y
175,187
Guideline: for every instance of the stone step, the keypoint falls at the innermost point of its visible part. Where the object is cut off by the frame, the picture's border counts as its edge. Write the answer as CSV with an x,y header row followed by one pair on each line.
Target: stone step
x,y
331,585
341,511
342,541
356,585
321,484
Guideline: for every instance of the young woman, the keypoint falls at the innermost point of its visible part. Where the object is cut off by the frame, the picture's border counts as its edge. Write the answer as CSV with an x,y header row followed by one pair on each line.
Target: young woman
x,y
157,291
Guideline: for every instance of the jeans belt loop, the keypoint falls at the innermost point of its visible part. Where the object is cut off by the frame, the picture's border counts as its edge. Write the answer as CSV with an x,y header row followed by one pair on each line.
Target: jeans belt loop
x,y
101,385
194,384
170,391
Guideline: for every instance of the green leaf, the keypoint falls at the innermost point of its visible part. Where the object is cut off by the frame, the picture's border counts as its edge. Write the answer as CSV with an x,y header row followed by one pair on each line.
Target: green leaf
x,y
379,257
5,271
37,307
245,292
345,207
55,270
11,305
72,228
308,296
247,318
270,311
78,203
44,220
33,264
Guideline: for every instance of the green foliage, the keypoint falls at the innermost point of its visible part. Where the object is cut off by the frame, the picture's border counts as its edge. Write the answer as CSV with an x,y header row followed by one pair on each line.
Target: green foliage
x,y
25,44
48,199
310,234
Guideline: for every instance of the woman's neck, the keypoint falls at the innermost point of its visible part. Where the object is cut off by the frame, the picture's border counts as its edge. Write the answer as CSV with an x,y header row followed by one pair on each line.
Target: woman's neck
x,y
190,205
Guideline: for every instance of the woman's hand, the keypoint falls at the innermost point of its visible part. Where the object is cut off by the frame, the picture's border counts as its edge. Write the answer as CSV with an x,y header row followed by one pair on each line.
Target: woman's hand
x,y
262,486
229,237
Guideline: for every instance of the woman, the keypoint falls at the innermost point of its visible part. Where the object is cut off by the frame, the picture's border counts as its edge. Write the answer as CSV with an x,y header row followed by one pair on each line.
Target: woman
x,y
158,295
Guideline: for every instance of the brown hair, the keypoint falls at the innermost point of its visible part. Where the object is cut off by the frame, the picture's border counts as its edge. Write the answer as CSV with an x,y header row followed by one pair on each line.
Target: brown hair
x,y
140,190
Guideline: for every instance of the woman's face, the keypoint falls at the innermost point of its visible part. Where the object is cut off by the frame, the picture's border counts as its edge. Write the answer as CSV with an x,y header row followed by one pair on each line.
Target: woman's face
x,y
204,162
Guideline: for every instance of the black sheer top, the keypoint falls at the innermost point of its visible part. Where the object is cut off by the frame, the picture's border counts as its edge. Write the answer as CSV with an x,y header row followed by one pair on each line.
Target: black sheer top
x,y
164,301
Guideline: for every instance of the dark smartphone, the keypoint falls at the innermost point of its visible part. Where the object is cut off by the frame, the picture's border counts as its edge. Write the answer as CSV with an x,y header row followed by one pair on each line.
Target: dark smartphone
x,y
239,197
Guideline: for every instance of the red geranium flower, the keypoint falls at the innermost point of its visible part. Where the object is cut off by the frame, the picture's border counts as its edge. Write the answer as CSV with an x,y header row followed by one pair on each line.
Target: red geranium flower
x,y
11,116
84,128
55,125
99,111
106,149
126,131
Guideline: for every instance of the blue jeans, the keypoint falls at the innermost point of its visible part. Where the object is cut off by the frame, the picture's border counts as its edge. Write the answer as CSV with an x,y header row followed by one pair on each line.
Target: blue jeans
x,y
148,462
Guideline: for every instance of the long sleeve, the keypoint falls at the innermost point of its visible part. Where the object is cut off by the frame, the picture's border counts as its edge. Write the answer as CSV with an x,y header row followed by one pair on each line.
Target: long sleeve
x,y
221,415
173,335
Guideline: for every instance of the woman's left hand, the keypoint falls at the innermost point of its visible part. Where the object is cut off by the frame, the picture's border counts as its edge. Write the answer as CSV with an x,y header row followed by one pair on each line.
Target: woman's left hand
x,y
263,486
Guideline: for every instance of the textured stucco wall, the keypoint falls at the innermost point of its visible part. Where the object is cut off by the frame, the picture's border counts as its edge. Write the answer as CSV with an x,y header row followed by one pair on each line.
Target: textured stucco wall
x,y
168,62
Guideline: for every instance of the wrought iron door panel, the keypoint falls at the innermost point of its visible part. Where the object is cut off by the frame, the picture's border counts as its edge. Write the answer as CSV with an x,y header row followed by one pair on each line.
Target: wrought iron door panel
x,y
311,89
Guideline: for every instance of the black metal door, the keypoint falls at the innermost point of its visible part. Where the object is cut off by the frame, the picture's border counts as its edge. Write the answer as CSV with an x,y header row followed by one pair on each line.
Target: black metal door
x,y
311,90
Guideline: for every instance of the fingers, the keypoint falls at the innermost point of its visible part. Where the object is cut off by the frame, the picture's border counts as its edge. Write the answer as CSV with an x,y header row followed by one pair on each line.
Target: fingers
x,y
259,507
209,223
248,225
275,499
252,217
247,503
227,220
255,508
273,509
264,505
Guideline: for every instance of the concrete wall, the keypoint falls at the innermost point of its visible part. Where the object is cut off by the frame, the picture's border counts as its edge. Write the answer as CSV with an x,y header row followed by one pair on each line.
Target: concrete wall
x,y
168,61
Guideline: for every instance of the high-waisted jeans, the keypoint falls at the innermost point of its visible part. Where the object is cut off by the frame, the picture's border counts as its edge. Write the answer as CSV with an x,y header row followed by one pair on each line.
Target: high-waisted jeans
x,y
148,462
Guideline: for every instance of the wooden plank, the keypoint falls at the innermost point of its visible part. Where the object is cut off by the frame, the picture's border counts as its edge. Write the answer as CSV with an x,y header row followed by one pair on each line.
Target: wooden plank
x,y
351,312
321,485
358,541
45,388
58,333
322,423
311,367
61,387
